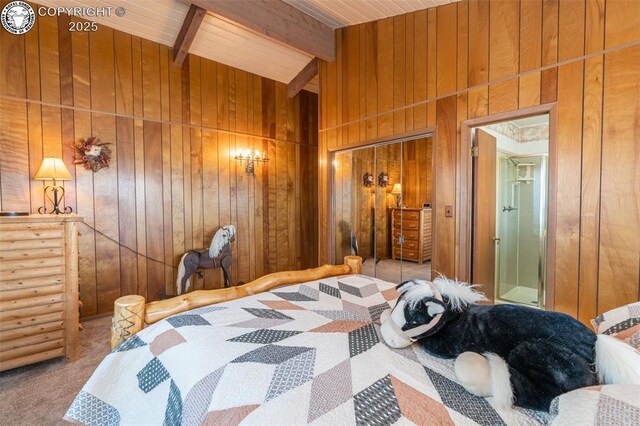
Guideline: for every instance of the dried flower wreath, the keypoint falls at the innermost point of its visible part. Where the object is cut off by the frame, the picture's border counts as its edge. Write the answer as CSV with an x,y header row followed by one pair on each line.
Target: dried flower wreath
x,y
92,153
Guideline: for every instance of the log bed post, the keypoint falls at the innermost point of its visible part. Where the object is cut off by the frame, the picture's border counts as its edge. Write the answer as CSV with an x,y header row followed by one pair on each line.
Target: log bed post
x,y
128,318
354,263
131,313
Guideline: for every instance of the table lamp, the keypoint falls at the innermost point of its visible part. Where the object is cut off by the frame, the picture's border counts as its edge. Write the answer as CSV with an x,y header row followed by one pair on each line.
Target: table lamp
x,y
397,192
53,169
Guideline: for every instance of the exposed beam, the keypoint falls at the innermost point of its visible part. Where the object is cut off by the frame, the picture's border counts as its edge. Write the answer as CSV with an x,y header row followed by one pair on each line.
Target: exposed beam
x,y
278,20
303,78
187,33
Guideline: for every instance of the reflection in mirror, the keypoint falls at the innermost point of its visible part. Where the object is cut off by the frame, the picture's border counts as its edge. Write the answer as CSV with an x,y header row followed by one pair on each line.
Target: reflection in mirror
x,y
363,163
414,219
388,225
388,161
343,205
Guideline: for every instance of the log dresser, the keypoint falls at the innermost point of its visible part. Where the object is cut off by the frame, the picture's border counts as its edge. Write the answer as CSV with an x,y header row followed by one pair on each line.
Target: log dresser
x,y
415,226
38,289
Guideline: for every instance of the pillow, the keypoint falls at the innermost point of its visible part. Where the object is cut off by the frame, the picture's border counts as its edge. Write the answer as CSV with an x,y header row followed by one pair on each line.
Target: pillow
x,y
597,405
622,323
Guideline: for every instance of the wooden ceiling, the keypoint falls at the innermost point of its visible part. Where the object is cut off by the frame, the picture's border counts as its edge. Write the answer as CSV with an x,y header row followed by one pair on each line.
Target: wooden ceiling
x,y
225,41
342,13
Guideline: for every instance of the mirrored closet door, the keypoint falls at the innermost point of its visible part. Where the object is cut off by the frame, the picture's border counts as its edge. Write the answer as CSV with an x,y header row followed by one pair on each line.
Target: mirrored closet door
x,y
381,208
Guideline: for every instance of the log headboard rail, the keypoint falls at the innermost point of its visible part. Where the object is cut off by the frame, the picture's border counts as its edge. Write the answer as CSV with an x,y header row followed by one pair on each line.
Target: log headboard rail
x,y
131,313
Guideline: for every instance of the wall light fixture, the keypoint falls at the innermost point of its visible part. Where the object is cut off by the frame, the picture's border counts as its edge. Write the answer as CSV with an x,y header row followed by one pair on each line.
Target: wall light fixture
x,y
249,157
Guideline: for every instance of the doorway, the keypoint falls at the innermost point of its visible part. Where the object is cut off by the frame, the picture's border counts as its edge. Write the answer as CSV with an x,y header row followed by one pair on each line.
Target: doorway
x,y
510,192
381,207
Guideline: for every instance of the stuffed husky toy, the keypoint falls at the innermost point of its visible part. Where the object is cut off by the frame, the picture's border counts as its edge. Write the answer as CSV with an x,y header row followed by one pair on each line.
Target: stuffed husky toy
x,y
513,354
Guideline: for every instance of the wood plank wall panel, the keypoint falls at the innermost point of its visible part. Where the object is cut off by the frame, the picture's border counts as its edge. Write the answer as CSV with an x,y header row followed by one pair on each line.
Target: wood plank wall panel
x,y
173,180
476,58
620,206
590,197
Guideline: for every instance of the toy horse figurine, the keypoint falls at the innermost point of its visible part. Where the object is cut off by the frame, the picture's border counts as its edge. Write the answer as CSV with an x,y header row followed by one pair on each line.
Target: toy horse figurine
x,y
218,255
514,354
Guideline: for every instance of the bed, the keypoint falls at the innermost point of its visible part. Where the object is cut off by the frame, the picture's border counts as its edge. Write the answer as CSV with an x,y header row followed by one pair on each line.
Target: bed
x,y
306,353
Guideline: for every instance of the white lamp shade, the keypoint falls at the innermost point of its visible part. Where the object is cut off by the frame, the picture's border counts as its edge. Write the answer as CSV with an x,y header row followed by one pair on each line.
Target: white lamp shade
x,y
52,169
397,189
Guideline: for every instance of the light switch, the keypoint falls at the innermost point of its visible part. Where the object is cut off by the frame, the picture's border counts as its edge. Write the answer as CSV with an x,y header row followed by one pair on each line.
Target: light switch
x,y
448,211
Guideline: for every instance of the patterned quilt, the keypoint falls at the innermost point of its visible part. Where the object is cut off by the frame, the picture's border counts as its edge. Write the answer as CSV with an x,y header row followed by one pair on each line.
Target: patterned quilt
x,y
308,353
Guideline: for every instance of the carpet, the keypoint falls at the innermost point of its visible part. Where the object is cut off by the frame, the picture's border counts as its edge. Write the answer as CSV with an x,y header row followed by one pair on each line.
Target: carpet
x,y
39,394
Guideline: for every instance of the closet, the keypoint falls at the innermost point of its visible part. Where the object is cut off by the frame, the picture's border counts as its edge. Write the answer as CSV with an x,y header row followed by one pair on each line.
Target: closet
x,y
381,207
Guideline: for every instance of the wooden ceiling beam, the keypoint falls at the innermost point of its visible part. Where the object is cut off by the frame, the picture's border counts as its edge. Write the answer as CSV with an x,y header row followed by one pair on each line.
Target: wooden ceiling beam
x,y
187,33
278,20
303,78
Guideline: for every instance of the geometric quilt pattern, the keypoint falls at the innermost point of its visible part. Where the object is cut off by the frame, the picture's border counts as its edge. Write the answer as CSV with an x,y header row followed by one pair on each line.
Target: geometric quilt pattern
x,y
331,291
377,404
173,411
265,336
129,344
267,313
455,396
197,400
271,354
292,373
187,320
612,411
303,353
338,379
152,375
376,310
362,339
92,411
597,405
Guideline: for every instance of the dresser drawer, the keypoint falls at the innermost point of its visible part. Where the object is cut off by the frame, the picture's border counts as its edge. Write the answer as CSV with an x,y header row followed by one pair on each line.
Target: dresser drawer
x,y
30,321
30,232
408,244
406,214
28,312
408,234
411,225
408,254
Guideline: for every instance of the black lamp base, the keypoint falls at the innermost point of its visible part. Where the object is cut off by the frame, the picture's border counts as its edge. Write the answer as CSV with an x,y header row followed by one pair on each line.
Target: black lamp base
x,y
57,192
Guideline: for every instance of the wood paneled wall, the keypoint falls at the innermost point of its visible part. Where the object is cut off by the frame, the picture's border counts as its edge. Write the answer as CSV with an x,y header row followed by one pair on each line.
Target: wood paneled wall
x,y
417,162
173,180
436,68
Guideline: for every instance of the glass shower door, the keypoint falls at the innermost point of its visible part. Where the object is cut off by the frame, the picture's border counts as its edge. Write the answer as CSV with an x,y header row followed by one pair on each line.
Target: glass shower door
x,y
521,229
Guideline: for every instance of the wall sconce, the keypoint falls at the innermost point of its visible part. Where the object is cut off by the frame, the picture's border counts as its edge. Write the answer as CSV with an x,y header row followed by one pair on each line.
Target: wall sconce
x,y
249,157
397,192
53,169
383,179
367,180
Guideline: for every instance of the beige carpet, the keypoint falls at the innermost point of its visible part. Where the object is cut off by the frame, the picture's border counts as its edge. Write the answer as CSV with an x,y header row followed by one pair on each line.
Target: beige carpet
x,y
40,394
396,271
